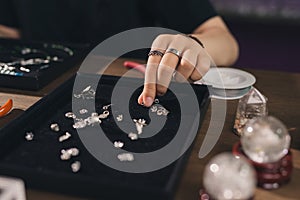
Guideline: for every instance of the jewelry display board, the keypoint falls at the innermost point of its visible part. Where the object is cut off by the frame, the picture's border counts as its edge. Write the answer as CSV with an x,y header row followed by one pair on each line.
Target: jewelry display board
x,y
43,146
32,65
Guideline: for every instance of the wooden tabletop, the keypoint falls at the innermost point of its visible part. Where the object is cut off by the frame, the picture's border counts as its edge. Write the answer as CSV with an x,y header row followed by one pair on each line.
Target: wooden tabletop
x,y
281,89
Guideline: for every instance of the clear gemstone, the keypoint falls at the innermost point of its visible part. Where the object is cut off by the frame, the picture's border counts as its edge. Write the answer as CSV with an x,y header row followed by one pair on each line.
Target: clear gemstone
x,y
64,155
75,166
153,108
54,127
253,104
64,137
229,177
126,157
119,118
265,139
73,151
29,136
118,144
83,111
133,136
92,120
70,115
79,124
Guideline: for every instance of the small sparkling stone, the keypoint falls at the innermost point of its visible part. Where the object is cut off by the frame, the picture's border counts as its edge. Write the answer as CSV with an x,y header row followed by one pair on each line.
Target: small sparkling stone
x,y
162,111
92,120
153,108
78,96
118,144
54,127
29,136
156,101
64,137
74,151
79,124
25,69
75,166
133,136
119,118
70,115
126,157
83,111
65,156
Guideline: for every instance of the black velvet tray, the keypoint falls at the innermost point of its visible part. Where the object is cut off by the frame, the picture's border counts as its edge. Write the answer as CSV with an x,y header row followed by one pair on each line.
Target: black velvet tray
x,y
38,161
68,56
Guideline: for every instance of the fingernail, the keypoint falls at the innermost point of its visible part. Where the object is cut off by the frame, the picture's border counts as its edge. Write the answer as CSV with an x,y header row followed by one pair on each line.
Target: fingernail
x,y
148,101
140,100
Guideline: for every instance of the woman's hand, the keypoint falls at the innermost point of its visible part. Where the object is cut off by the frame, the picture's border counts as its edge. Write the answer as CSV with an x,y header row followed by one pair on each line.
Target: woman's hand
x,y
8,32
179,53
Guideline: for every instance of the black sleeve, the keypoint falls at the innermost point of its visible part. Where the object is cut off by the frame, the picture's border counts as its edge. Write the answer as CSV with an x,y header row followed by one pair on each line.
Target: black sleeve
x,y
7,13
182,15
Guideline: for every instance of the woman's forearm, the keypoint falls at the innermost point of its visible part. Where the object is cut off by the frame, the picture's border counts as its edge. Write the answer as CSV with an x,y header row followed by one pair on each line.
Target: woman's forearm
x,y
8,32
218,41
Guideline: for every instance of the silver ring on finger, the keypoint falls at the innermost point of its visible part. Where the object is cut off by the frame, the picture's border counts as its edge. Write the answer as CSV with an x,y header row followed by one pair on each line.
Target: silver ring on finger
x,y
174,51
155,53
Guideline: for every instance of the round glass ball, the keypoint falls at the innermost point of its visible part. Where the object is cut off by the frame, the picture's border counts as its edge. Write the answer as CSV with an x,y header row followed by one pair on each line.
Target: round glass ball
x,y
265,140
229,177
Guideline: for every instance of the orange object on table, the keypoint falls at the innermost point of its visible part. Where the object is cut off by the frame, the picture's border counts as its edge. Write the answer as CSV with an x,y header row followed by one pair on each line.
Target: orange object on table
x,y
6,108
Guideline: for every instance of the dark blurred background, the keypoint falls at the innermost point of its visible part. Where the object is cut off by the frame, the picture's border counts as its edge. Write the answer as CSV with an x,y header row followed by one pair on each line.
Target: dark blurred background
x,y
268,32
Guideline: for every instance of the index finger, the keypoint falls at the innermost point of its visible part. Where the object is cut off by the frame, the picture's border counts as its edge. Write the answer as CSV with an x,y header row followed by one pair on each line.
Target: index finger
x,y
149,91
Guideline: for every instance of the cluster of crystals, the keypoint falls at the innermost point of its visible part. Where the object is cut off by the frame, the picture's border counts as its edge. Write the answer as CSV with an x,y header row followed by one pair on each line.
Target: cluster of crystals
x,y
66,154
139,124
118,144
265,139
9,70
229,177
253,104
160,110
87,93
93,119
23,65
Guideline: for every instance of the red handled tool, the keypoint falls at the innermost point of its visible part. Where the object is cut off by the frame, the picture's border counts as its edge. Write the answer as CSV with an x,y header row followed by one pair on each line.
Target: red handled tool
x,y
138,66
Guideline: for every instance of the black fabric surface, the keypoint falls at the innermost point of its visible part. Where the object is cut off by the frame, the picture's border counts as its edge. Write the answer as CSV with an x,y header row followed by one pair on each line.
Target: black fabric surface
x,y
38,161
39,74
